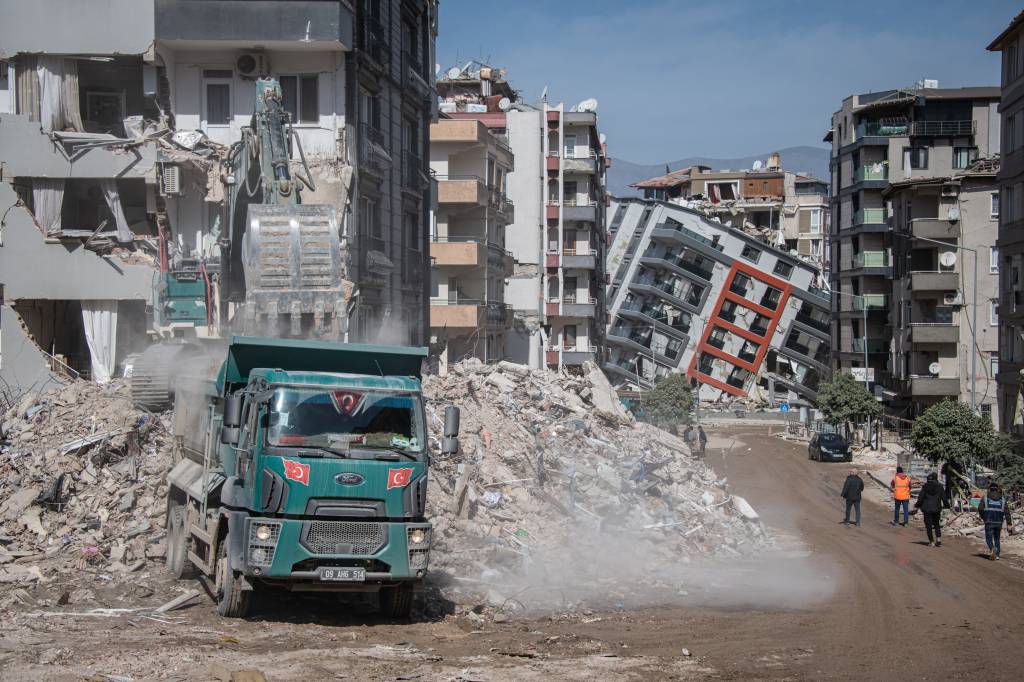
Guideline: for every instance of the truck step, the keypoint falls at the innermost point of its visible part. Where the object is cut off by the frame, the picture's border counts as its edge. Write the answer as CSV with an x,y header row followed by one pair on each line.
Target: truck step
x,y
201,534
200,563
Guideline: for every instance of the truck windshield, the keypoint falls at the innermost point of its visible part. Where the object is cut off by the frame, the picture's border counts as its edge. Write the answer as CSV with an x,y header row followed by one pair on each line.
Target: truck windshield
x,y
345,419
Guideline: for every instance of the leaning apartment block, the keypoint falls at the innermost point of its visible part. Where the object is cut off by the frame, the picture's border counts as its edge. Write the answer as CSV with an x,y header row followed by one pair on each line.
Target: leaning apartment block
x,y
691,295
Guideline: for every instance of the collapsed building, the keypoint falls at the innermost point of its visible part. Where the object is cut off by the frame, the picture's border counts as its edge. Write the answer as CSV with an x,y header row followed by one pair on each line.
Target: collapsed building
x,y
690,295
556,235
782,208
117,129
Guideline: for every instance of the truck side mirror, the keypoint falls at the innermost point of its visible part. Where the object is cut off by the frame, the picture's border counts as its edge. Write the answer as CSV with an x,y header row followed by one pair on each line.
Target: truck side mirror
x,y
451,422
450,446
233,411
229,435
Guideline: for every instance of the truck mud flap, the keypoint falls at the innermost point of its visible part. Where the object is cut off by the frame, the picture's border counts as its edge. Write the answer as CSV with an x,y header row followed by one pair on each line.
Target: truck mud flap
x,y
236,539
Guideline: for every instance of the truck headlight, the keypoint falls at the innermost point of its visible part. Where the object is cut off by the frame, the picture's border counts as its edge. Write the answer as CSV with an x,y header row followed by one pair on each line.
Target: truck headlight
x,y
417,536
263,533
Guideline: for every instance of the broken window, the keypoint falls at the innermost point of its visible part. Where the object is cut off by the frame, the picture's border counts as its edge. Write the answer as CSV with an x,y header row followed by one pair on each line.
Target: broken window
x,y
771,297
750,253
722,191
783,269
301,97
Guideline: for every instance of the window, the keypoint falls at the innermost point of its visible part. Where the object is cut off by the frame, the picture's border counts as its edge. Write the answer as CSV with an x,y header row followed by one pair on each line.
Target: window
x,y
717,338
1012,68
750,253
816,220
217,96
1011,133
301,97
740,284
993,365
1008,205
816,248
722,191
783,269
993,259
771,297
993,210
986,411
369,223
915,158
993,312
964,156
570,146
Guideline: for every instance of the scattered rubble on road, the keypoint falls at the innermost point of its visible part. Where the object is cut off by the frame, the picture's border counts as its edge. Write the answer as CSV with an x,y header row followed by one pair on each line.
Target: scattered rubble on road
x,y
559,494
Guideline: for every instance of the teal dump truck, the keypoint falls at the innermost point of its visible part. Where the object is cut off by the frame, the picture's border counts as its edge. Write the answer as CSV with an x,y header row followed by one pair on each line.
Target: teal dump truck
x,y
302,465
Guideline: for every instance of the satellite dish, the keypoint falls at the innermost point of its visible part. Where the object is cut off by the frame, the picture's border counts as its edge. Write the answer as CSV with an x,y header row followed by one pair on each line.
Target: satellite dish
x,y
504,103
758,165
587,105
602,138
948,259
453,73
934,368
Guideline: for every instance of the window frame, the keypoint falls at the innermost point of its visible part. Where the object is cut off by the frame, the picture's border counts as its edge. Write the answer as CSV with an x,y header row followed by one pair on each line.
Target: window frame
x,y
205,104
756,253
993,259
972,156
994,205
919,150
993,312
816,213
297,120
781,263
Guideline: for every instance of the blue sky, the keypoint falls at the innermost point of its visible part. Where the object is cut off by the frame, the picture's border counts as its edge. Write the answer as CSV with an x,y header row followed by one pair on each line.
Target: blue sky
x,y
721,78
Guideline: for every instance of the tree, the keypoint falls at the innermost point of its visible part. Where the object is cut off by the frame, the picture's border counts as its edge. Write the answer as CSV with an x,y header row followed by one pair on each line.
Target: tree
x,y
669,403
951,432
844,399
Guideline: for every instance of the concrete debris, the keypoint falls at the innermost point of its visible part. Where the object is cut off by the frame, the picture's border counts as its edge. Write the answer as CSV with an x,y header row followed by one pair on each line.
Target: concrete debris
x,y
543,468
82,483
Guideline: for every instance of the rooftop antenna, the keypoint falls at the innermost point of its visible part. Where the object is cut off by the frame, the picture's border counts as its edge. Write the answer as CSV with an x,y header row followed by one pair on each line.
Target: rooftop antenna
x,y
544,95
307,39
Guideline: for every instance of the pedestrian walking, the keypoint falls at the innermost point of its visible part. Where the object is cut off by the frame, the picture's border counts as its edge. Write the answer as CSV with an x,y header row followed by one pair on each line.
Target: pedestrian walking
x,y
690,436
995,510
702,438
852,489
900,486
930,501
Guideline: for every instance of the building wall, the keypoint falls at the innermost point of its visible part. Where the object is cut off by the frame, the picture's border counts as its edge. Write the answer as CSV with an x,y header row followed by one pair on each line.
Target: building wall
x,y
75,27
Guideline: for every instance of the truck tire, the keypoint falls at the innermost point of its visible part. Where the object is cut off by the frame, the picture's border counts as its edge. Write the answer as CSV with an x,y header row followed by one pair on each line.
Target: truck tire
x,y
396,601
177,542
232,600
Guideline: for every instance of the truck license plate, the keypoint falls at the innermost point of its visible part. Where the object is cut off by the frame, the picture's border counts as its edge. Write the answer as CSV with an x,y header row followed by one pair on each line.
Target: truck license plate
x,y
348,575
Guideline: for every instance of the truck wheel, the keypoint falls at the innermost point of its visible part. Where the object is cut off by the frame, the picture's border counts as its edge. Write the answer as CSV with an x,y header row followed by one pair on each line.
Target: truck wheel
x,y
177,542
396,601
232,600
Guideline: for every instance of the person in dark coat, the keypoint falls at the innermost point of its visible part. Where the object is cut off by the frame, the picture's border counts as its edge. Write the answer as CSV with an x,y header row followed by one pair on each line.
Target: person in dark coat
x,y
930,502
702,438
995,510
852,489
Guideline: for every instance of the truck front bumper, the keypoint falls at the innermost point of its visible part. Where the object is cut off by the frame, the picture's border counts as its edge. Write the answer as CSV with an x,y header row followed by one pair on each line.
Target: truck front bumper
x,y
296,549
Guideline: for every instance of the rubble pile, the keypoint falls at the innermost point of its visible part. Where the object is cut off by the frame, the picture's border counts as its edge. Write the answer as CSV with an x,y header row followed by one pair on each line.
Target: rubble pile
x,y
556,488
81,484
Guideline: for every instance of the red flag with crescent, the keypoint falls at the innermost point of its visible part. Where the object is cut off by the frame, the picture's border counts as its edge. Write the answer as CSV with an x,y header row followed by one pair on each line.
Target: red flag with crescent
x,y
399,478
296,471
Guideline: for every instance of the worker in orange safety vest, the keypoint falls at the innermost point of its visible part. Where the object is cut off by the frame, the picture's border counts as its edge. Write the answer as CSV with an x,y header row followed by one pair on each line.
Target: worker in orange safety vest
x,y
900,486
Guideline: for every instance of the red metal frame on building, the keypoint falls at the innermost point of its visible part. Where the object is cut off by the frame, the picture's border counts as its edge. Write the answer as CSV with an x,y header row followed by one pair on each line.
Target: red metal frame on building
x,y
715,321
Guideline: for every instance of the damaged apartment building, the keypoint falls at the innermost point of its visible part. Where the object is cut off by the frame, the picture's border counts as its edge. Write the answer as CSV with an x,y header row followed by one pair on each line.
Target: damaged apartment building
x,y
119,140
556,235
689,295
784,209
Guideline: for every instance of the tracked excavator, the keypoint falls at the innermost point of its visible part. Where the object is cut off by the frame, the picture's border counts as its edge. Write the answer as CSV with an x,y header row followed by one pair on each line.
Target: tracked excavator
x,y
280,272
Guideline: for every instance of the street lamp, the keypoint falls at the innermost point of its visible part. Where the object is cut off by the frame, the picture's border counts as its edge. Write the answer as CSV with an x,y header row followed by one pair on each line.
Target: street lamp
x,y
974,311
864,308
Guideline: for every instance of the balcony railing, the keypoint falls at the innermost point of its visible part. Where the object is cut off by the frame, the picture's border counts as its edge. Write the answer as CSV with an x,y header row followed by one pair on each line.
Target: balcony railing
x,y
375,42
691,234
412,172
882,128
870,301
943,128
943,315
871,259
870,216
871,171
580,154
874,345
576,201
810,321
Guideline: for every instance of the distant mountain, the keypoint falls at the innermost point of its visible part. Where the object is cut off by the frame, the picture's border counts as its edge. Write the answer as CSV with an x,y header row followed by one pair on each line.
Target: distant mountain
x,y
811,160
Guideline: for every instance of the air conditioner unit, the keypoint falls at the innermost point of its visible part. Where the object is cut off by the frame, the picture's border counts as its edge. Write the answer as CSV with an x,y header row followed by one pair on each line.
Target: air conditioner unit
x,y
952,298
171,186
252,65
951,190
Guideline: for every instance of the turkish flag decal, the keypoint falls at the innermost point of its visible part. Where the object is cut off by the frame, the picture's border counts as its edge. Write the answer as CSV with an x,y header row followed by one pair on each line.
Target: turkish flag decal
x,y
296,471
399,478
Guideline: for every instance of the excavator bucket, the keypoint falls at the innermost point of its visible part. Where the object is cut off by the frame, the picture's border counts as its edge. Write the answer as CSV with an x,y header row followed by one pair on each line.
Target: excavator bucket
x,y
293,265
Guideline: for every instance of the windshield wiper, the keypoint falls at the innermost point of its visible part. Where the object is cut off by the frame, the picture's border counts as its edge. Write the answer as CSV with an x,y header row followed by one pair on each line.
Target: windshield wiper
x,y
393,455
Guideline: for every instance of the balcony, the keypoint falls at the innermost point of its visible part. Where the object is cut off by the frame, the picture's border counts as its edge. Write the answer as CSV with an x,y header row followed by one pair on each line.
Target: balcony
x,y
583,259
462,189
573,306
413,178
580,161
466,252
468,131
870,259
874,345
414,78
934,228
870,301
375,41
934,332
500,202
579,209
638,340
675,231
871,216
934,281
943,128
892,128
373,154
576,355
872,172
935,386
469,314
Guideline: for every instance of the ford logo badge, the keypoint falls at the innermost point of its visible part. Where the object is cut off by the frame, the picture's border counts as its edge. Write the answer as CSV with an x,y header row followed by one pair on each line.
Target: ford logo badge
x,y
348,478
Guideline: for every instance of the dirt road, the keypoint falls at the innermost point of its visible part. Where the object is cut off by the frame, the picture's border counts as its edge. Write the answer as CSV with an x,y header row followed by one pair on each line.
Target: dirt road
x,y
898,610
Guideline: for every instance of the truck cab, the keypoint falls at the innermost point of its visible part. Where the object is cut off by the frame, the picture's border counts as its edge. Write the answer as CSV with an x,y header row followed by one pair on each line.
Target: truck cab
x,y
303,466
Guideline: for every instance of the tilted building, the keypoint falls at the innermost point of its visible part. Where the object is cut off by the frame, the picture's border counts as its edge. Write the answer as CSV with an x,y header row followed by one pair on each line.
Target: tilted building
x,y
690,295
114,121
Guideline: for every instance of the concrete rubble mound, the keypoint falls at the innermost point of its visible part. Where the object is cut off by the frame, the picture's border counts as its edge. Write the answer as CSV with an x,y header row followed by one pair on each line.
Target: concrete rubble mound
x,y
558,492
82,485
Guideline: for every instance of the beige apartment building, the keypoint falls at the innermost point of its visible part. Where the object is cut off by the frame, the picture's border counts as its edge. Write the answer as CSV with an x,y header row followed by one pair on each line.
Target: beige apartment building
x,y
468,313
878,138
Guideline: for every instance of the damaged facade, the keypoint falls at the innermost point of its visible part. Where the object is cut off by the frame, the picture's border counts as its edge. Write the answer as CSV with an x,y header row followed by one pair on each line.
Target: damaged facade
x,y
468,313
557,237
784,209
690,295
116,134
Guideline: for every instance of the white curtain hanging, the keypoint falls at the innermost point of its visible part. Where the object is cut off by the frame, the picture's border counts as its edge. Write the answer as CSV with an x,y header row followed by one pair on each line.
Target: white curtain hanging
x,y
109,187
99,318
58,93
47,200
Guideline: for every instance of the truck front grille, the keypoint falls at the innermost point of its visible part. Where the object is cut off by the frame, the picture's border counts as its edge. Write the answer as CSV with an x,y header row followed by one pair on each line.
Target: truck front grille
x,y
344,537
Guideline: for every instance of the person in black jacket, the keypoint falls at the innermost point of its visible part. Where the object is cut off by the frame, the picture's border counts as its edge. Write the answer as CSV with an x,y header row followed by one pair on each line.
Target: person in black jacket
x,y
995,510
852,489
930,502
